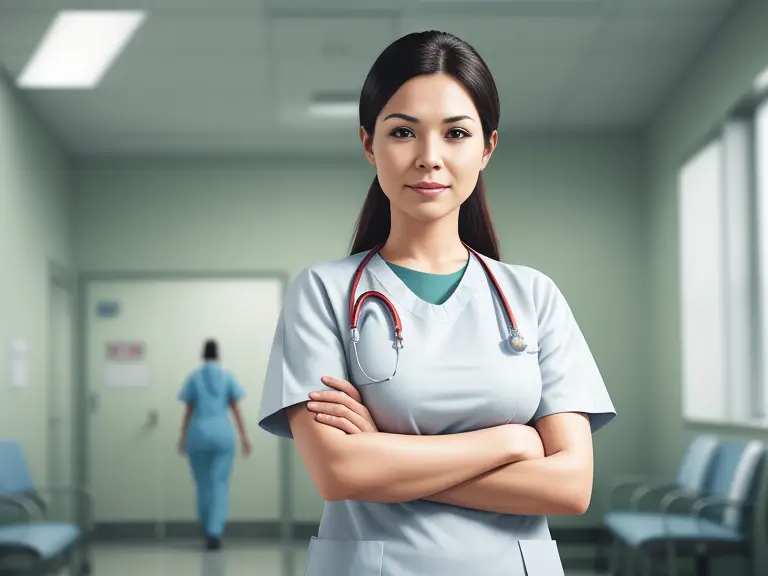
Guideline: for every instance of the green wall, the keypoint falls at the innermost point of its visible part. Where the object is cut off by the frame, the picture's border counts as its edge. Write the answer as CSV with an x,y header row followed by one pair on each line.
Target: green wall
x,y
722,75
571,205
35,229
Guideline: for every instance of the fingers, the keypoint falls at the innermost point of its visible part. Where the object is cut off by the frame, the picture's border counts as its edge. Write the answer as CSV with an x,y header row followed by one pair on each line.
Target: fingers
x,y
343,386
341,411
337,422
354,408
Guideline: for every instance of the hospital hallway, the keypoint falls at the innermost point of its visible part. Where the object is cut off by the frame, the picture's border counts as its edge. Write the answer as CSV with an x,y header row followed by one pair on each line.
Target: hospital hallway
x,y
480,287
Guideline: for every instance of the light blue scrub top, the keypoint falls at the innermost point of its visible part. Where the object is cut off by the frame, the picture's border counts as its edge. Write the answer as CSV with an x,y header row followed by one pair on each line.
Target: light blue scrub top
x,y
210,389
456,374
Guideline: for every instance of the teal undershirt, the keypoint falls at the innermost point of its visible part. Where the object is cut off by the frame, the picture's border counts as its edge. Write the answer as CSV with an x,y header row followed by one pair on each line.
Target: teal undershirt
x,y
432,288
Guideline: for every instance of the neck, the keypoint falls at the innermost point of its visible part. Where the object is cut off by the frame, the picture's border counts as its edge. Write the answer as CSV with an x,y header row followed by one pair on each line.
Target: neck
x,y
427,246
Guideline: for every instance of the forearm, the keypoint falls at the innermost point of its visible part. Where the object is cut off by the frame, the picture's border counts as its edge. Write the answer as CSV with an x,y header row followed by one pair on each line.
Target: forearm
x,y
239,420
398,468
559,484
185,421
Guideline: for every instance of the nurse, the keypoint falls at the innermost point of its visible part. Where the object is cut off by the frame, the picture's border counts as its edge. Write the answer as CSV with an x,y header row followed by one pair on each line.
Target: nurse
x,y
208,438
438,443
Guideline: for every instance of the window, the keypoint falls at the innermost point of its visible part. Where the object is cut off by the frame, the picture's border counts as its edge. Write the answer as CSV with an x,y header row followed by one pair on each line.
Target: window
x,y
723,242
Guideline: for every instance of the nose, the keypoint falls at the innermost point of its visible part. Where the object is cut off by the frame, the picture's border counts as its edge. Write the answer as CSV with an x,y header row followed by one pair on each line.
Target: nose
x,y
429,156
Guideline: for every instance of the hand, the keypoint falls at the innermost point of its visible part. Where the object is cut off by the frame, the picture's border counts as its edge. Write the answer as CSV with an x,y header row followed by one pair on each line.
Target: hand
x,y
247,447
341,408
526,443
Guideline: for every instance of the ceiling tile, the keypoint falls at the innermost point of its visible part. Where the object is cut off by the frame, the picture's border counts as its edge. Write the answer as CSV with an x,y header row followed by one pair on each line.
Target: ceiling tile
x,y
658,33
323,55
680,7
617,90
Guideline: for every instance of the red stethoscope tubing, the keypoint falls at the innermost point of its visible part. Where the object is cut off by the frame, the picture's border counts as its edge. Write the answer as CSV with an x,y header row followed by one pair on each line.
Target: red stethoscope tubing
x,y
355,307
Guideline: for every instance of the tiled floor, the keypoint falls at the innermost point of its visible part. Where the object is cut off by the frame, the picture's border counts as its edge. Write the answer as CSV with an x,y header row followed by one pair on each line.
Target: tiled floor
x,y
239,558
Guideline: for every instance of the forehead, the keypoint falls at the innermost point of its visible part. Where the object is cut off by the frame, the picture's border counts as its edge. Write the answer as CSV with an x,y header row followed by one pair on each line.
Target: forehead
x,y
431,96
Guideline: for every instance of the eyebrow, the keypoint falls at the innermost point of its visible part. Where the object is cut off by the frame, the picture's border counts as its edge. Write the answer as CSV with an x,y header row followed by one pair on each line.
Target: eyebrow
x,y
407,118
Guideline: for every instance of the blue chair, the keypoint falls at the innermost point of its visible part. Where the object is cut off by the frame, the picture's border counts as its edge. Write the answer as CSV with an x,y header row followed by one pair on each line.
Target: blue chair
x,y
36,545
645,494
718,521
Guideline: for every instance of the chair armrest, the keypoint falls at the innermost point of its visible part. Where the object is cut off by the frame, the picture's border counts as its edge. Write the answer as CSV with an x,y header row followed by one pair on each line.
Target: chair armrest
x,y
83,495
647,489
19,502
617,484
675,496
712,501
669,499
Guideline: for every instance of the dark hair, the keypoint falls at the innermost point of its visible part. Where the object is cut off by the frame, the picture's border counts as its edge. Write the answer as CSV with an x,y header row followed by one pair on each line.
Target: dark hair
x,y
418,54
211,350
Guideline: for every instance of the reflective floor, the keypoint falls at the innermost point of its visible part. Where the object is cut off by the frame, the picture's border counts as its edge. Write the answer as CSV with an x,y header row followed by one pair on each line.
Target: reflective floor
x,y
239,558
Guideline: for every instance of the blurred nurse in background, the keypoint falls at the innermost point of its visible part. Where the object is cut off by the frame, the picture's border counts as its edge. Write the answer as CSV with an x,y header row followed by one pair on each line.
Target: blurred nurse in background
x,y
208,438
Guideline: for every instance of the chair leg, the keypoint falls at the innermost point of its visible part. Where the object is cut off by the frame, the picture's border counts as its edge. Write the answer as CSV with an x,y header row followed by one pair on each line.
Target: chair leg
x,y
615,559
599,551
646,562
671,559
703,567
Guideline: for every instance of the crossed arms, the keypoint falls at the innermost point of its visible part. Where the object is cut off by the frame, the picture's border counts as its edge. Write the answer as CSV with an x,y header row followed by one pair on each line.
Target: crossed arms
x,y
508,469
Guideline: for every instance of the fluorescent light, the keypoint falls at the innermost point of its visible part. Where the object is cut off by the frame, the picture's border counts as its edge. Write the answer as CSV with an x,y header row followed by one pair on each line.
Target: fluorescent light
x,y
341,110
761,82
79,47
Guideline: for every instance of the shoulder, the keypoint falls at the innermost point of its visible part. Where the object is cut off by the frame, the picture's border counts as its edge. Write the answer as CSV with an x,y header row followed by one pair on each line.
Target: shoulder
x,y
325,277
533,282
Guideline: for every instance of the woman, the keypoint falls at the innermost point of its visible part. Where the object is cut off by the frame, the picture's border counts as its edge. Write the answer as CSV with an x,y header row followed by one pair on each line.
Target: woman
x,y
450,466
208,438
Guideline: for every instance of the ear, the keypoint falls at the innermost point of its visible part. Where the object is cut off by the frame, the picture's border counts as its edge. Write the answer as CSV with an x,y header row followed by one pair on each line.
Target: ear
x,y
367,145
493,141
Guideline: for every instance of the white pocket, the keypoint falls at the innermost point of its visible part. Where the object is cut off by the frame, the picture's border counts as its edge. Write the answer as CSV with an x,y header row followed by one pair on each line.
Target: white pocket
x,y
541,558
344,557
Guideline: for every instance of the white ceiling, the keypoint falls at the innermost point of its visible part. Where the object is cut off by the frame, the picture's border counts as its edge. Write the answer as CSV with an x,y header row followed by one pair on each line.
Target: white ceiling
x,y
235,76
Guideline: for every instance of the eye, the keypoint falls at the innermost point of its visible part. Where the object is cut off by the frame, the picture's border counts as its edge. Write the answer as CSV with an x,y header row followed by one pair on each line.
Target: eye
x,y
458,134
401,132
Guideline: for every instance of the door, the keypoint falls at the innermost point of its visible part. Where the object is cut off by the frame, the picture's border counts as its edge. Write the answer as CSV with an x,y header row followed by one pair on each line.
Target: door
x,y
61,396
158,328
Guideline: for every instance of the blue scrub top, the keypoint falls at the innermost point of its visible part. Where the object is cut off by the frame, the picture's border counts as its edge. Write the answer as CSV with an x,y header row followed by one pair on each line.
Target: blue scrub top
x,y
210,390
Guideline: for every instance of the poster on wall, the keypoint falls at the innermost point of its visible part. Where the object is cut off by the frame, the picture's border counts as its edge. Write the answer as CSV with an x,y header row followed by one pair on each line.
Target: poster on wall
x,y
126,365
19,363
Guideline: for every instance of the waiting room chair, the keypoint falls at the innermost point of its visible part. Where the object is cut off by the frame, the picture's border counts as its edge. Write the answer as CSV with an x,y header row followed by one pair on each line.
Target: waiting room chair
x,y
718,521
36,545
646,494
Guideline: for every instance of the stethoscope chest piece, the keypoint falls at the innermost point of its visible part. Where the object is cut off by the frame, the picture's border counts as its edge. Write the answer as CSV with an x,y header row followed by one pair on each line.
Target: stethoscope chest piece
x,y
517,342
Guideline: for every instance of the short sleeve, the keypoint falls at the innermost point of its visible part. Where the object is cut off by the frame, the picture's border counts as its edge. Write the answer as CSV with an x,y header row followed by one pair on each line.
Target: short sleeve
x,y
306,346
187,392
235,391
571,380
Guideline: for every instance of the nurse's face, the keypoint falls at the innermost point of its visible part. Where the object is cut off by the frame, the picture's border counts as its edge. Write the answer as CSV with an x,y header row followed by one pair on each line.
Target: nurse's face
x,y
428,147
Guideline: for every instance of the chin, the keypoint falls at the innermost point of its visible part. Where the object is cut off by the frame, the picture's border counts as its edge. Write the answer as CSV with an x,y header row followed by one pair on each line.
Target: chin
x,y
429,212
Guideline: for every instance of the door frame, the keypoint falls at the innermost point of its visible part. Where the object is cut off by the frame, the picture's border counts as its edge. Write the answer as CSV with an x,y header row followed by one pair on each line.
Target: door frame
x,y
65,278
86,279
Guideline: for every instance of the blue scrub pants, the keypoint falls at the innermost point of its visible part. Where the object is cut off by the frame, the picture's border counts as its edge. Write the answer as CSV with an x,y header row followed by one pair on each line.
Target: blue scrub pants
x,y
212,470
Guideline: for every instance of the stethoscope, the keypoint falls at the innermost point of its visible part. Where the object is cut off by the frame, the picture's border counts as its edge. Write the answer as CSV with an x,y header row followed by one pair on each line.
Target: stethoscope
x,y
515,339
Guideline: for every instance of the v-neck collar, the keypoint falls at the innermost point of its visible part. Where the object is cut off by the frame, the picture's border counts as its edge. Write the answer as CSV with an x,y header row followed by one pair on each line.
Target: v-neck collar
x,y
473,278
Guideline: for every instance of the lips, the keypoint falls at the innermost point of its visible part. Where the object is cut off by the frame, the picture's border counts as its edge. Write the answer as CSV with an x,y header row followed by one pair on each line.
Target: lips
x,y
428,188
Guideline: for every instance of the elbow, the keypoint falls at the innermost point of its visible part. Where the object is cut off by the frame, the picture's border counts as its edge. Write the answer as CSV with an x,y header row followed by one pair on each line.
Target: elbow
x,y
334,484
578,499
578,503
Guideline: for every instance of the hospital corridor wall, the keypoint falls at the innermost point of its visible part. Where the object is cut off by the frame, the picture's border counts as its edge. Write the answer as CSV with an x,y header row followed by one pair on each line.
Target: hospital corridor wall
x,y
37,262
566,204
716,82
